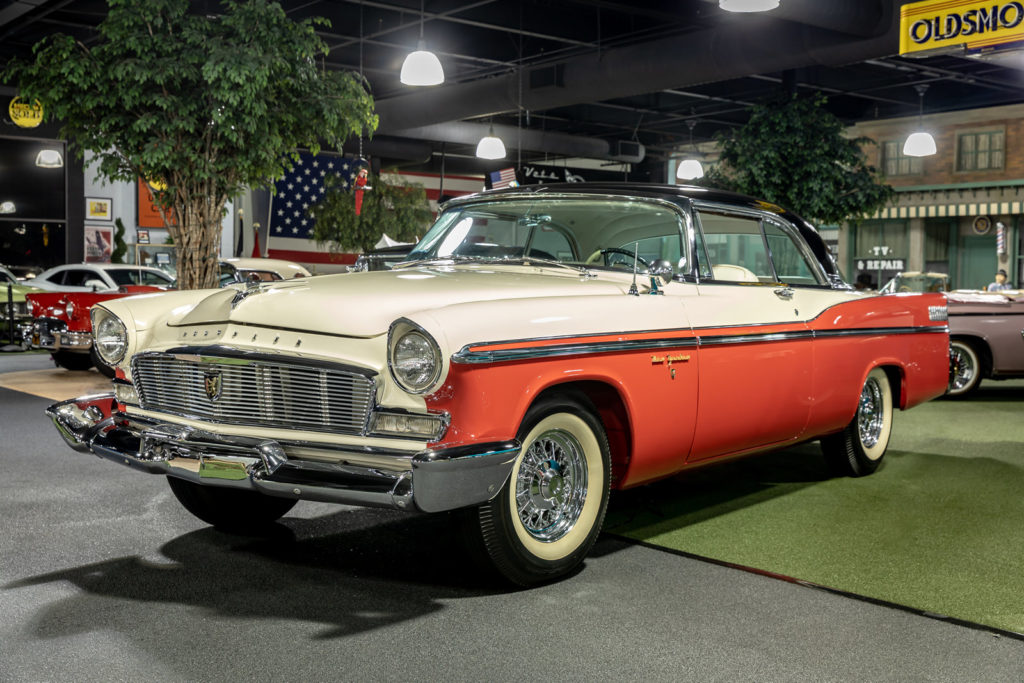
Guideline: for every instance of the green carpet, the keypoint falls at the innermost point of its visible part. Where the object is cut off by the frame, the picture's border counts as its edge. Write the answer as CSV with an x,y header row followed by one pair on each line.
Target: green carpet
x,y
939,527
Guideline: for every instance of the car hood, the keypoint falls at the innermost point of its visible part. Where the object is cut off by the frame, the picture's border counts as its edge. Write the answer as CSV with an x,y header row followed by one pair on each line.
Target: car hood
x,y
365,304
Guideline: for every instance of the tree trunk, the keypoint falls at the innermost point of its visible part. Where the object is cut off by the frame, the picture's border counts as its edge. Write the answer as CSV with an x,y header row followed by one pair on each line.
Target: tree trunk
x,y
197,241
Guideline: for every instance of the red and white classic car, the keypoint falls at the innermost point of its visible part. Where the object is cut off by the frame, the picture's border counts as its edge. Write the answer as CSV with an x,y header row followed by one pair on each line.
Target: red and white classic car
x,y
543,346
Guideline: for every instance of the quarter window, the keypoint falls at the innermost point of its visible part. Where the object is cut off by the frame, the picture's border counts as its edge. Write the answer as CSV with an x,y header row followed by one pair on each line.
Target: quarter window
x,y
793,265
735,248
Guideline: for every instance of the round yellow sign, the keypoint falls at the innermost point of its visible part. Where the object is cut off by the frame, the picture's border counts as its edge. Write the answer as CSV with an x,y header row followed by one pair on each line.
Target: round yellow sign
x,y
25,115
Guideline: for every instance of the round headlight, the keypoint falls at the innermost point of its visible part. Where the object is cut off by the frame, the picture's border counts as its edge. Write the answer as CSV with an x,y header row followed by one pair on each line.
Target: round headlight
x,y
109,336
415,358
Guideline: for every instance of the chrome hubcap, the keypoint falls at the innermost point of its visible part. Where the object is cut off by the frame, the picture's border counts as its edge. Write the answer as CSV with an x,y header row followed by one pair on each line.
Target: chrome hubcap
x,y
963,368
552,485
871,413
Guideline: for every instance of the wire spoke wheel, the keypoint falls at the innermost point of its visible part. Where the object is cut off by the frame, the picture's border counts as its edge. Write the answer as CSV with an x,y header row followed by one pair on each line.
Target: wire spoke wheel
x,y
552,485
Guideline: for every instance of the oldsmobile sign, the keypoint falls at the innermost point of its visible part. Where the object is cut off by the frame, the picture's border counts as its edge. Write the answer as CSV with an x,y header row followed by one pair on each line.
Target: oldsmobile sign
x,y
941,25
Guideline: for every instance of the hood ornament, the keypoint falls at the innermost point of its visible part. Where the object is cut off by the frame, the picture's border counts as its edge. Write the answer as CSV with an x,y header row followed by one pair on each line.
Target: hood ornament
x,y
251,287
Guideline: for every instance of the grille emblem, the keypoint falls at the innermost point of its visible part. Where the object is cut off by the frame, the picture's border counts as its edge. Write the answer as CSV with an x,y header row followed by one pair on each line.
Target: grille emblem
x,y
212,383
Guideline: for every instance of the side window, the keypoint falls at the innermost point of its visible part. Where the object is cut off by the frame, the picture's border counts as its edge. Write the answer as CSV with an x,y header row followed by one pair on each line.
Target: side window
x,y
735,248
792,262
78,278
155,279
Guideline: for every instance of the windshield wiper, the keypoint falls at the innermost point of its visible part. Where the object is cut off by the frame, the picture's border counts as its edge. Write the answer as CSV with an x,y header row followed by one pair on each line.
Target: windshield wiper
x,y
454,258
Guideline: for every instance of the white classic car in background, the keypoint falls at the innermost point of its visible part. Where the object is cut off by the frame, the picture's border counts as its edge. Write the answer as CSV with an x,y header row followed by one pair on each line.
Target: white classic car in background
x,y
99,277
542,346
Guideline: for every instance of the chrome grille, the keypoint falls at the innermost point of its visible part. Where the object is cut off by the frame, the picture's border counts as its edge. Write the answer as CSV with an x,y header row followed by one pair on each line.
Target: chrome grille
x,y
265,393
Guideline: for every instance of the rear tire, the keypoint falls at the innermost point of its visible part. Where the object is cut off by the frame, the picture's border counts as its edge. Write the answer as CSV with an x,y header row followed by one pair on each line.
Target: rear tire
x,y
231,510
546,518
72,360
858,449
964,369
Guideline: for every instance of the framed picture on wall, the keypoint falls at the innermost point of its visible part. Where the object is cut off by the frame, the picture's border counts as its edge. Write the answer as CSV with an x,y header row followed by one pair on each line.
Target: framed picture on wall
x,y
142,236
99,242
98,209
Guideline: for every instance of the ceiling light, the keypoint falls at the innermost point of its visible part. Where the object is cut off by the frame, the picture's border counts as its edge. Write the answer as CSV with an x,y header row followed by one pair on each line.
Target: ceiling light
x,y
7,207
689,169
920,143
421,67
748,5
490,146
49,158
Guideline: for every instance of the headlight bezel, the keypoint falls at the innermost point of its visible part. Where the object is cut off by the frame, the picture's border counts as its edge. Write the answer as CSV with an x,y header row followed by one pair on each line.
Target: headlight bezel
x,y
99,316
399,330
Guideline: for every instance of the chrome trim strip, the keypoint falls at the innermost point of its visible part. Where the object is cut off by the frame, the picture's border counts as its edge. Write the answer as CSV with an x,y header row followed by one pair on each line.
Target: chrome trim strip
x,y
872,331
719,340
465,355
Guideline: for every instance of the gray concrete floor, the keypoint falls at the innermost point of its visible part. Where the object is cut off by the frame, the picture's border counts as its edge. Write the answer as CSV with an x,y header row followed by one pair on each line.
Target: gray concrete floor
x,y
104,577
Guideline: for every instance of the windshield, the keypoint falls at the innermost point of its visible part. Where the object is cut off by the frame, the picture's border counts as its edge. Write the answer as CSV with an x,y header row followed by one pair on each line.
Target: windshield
x,y
576,231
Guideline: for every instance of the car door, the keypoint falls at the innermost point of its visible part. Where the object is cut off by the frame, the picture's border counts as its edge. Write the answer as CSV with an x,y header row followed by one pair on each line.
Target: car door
x,y
756,351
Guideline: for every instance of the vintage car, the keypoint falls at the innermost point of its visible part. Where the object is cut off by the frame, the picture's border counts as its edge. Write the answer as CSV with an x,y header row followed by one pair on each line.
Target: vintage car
x,y
986,331
99,277
262,269
14,316
542,346
915,281
59,322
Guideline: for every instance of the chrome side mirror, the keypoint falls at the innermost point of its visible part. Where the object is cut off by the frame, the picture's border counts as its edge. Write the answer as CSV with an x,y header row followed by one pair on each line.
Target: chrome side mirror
x,y
661,268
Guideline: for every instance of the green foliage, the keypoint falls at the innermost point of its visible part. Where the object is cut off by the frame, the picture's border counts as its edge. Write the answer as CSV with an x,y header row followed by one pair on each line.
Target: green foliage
x,y
400,211
206,104
120,248
793,152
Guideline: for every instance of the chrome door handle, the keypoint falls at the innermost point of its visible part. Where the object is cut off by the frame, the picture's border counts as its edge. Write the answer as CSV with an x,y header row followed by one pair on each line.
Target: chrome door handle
x,y
785,293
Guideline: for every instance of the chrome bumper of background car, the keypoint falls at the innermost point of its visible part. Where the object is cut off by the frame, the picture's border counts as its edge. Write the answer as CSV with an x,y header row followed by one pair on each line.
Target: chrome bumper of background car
x,y
430,481
53,335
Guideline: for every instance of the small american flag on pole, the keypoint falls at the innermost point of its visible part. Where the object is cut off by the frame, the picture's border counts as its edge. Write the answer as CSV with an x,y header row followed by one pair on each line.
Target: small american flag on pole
x,y
506,177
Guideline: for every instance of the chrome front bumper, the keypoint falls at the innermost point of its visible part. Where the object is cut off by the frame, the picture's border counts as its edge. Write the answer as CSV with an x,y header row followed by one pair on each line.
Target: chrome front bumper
x,y
428,481
53,335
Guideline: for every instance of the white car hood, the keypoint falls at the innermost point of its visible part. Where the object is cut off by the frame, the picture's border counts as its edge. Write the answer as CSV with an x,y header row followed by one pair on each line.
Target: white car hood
x,y
365,304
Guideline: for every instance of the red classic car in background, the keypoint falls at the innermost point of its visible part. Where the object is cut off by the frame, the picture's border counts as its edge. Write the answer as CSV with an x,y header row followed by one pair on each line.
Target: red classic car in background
x,y
60,320
60,324
986,331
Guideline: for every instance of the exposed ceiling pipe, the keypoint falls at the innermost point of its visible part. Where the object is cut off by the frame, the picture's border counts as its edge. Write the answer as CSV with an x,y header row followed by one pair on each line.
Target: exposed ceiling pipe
x,y
560,144
733,49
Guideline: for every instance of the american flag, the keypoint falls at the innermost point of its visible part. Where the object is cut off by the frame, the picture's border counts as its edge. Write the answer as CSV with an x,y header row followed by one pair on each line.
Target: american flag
x,y
290,228
506,177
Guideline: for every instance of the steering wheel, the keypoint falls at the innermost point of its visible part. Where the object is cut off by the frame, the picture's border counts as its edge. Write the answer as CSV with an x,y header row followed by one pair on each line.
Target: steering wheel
x,y
615,250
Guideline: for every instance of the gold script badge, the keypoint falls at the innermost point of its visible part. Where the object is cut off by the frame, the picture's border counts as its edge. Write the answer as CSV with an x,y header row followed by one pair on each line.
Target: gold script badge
x,y
669,360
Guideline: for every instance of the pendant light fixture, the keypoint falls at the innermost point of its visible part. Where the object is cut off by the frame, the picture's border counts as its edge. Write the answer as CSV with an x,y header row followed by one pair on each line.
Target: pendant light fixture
x,y
7,207
421,67
748,5
490,146
690,168
49,158
920,143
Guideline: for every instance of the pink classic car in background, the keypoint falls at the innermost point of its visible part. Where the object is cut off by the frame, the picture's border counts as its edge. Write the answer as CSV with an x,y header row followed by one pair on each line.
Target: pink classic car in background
x,y
986,331
540,347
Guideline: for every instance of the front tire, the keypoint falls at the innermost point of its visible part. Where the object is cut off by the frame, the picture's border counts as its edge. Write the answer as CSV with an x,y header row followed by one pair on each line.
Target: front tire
x,y
858,449
548,515
964,369
231,510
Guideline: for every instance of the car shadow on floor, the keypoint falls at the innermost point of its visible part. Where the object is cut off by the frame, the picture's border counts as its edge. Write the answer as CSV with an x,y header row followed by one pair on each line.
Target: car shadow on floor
x,y
348,572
